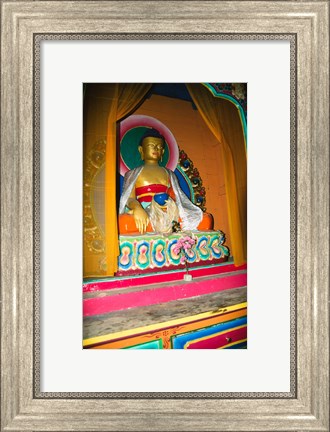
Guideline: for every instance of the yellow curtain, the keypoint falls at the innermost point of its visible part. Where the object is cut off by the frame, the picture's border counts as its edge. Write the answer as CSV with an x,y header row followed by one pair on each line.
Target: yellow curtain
x,y
222,118
104,106
126,97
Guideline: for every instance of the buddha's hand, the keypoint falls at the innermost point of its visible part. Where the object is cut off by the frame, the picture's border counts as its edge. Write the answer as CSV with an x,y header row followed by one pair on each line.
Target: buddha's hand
x,y
141,219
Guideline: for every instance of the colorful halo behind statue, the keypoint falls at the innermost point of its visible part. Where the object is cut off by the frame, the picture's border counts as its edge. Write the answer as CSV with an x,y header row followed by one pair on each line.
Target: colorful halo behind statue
x,y
143,121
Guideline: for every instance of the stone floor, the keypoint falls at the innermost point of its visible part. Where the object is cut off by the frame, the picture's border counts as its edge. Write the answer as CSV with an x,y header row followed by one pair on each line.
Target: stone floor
x,y
138,317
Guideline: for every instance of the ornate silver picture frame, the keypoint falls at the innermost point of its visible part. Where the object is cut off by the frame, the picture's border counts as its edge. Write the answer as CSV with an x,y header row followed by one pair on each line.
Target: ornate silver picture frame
x,y
24,25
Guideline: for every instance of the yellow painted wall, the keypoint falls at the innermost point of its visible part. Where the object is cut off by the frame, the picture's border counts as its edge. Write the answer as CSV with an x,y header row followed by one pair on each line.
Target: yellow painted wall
x,y
194,137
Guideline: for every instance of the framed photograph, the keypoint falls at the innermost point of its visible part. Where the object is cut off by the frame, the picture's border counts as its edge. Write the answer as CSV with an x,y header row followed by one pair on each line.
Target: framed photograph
x,y
279,51
176,264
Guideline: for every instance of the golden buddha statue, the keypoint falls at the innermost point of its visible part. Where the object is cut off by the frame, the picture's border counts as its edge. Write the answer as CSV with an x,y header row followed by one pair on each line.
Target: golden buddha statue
x,y
152,195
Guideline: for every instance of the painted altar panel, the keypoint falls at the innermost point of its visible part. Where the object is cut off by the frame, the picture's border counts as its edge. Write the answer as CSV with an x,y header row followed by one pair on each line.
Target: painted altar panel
x,y
225,328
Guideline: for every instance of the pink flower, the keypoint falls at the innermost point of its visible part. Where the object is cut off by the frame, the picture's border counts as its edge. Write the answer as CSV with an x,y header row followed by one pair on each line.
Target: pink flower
x,y
184,247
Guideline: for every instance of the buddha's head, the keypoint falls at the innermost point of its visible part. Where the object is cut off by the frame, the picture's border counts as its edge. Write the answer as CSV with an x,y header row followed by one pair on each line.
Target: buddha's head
x,y
152,146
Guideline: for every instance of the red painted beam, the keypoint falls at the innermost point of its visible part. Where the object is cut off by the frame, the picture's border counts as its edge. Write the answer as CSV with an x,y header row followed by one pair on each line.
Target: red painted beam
x,y
116,302
152,279
218,341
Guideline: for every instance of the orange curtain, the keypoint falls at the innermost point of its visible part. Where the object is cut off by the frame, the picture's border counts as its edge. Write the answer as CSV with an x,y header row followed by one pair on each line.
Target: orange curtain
x,y
125,98
104,106
222,117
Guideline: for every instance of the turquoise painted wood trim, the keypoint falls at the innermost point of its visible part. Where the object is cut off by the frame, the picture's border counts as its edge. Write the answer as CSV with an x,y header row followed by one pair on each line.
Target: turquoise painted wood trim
x,y
236,103
156,344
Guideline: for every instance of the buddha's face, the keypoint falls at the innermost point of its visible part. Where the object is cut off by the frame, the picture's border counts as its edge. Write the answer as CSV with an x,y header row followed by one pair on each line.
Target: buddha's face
x,y
152,149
